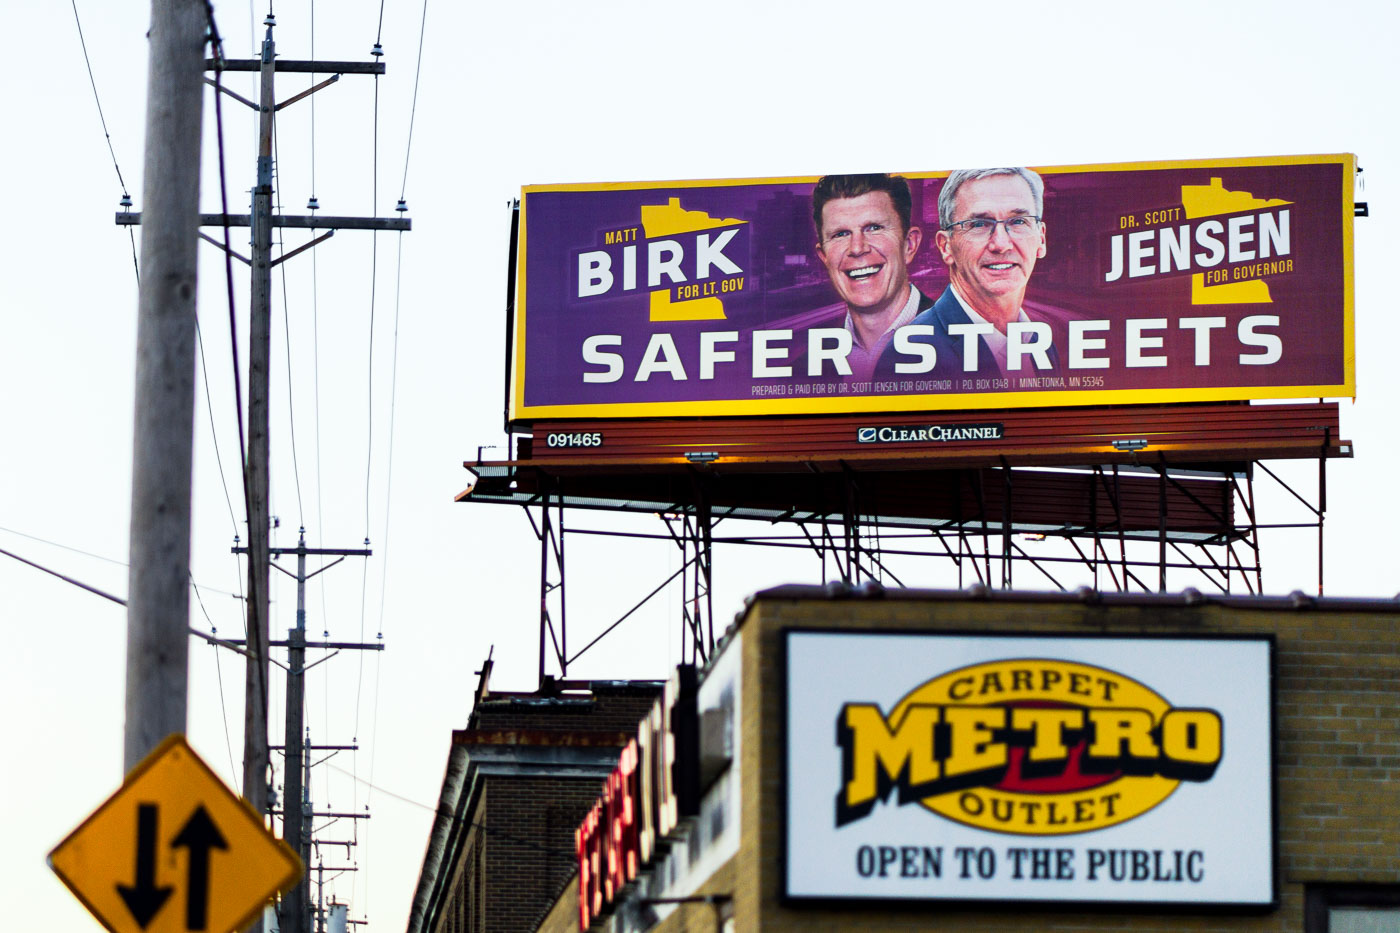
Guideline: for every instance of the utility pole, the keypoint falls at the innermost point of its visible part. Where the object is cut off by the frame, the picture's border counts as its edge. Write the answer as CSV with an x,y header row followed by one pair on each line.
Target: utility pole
x,y
296,802
255,755
157,626
262,220
296,811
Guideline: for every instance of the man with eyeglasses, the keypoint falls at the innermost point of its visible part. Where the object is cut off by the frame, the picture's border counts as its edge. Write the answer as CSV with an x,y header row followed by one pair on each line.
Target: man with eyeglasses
x,y
990,236
866,240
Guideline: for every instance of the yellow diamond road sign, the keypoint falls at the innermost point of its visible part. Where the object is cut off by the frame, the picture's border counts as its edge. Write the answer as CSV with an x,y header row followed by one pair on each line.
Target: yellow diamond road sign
x,y
174,851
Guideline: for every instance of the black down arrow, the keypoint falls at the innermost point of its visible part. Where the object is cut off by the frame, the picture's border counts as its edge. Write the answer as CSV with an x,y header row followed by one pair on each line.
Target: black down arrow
x,y
144,899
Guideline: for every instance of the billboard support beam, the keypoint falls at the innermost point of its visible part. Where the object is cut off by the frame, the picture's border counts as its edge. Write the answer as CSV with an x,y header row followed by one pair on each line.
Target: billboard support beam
x,y
695,540
980,488
1321,500
1246,496
1122,543
1019,553
851,520
696,550
963,544
707,543
838,552
1205,567
958,514
1094,523
1006,519
1161,528
852,531
551,534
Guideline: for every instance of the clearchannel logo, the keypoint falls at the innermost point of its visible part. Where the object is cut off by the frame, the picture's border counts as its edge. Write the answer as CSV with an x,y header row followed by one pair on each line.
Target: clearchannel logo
x,y
928,433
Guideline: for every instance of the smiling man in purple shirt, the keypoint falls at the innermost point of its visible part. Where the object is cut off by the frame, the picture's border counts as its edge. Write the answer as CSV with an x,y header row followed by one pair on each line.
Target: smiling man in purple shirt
x,y
866,240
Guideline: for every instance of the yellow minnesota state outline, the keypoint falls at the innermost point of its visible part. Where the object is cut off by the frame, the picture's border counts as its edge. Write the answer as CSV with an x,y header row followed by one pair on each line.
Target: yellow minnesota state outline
x,y
669,219
1207,201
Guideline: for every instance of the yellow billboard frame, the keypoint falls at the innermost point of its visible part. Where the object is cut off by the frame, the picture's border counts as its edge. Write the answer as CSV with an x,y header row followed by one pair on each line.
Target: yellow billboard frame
x,y
519,411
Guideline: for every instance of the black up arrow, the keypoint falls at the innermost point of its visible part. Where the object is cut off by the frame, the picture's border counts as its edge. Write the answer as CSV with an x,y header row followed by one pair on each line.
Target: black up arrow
x,y
199,835
144,899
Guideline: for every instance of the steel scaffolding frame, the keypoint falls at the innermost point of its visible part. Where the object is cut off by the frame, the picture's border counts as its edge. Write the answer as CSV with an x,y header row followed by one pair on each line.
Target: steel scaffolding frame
x,y
859,542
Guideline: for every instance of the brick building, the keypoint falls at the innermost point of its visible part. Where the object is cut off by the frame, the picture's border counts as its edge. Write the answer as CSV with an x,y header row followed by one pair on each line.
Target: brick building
x,y
519,778
1271,805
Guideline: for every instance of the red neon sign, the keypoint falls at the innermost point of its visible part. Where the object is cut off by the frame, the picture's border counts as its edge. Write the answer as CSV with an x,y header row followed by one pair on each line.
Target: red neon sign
x,y
654,786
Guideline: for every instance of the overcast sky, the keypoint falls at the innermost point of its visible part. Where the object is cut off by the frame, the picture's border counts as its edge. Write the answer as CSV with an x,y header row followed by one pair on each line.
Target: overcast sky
x,y
387,369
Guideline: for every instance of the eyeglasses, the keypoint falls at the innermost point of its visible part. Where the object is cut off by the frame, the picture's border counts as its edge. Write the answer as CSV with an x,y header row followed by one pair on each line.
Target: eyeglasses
x,y
980,228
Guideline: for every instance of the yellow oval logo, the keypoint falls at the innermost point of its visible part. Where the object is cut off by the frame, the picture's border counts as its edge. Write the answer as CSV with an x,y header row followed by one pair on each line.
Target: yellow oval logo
x,y
1030,746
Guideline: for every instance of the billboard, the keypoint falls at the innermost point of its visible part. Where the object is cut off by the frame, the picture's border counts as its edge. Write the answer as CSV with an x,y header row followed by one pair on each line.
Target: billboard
x,y
1224,279
950,767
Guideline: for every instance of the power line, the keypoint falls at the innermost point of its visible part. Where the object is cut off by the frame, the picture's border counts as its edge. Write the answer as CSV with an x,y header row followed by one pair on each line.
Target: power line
x,y
65,578
312,205
369,425
93,81
119,600
66,547
215,642
569,854
217,49
377,51
209,405
287,334
389,469
394,371
219,671
373,289
126,195
388,500
369,428
218,642
413,110
217,46
394,380
101,557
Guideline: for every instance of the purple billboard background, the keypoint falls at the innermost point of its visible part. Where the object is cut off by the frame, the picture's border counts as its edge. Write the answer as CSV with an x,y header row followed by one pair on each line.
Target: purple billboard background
x,y
786,287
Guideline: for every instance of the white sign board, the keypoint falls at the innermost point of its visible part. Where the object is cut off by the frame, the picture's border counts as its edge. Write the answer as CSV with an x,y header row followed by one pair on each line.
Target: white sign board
x,y
1039,769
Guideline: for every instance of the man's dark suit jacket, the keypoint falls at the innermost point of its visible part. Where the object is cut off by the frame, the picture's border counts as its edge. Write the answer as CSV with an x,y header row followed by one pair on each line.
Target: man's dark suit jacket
x,y
941,313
